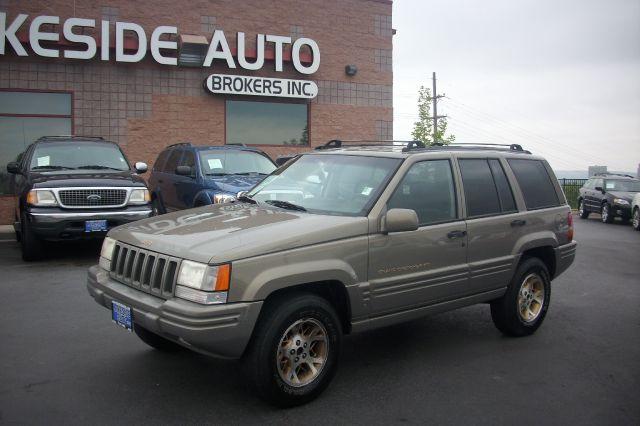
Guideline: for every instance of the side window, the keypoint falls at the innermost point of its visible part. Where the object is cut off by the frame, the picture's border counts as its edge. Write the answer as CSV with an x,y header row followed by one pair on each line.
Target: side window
x,y
535,183
159,164
598,183
189,159
505,195
172,162
428,189
480,190
588,184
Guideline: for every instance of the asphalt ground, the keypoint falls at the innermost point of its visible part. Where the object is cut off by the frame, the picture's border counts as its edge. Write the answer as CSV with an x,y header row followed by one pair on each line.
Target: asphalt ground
x,y
62,360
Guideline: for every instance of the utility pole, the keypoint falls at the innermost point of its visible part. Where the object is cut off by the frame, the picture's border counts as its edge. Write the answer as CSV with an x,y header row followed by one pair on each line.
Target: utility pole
x,y
435,109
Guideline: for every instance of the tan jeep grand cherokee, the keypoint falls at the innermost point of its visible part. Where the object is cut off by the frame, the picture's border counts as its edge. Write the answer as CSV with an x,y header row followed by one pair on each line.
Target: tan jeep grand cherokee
x,y
341,240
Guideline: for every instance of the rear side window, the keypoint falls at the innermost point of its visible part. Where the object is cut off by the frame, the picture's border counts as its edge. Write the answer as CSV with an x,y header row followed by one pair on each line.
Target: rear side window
x,y
479,188
162,158
507,203
535,183
172,162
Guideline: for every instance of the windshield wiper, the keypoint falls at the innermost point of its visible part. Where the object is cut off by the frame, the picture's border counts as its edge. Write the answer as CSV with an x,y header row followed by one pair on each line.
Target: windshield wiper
x,y
99,167
285,205
217,174
52,168
247,199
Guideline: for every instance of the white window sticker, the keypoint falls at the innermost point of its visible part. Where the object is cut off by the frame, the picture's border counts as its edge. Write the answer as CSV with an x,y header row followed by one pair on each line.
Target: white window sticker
x,y
44,161
366,190
611,185
214,163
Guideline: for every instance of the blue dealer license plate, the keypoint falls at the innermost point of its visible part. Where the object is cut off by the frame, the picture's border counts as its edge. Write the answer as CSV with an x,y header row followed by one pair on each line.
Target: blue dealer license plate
x,y
121,315
95,226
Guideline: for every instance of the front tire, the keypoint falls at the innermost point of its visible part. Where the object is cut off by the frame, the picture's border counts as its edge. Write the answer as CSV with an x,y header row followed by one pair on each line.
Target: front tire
x,y
607,216
30,244
294,351
522,309
582,211
636,219
155,341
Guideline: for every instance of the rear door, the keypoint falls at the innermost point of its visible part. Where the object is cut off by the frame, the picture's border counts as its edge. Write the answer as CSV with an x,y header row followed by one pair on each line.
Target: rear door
x,y
418,268
186,186
169,179
494,223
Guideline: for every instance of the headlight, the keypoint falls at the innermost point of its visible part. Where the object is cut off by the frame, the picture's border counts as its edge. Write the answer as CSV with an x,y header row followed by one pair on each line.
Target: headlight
x,y
223,198
41,197
139,196
107,253
620,201
202,283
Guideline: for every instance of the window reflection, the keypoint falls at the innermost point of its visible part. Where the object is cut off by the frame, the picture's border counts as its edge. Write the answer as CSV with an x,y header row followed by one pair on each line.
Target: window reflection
x,y
266,123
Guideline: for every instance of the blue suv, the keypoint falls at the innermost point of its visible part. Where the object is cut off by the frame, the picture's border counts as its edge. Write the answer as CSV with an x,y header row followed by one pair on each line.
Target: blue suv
x,y
186,176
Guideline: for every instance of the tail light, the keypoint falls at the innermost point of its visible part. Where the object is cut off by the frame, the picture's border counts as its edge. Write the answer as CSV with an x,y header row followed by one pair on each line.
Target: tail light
x,y
570,226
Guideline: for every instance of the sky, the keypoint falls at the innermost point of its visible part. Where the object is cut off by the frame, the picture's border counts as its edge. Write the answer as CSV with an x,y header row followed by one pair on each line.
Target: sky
x,y
559,77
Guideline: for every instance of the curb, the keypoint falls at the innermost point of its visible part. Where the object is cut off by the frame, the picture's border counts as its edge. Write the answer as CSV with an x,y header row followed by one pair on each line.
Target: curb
x,y
7,232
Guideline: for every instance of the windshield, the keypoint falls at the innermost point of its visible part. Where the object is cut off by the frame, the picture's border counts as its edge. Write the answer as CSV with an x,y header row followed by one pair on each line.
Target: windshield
x,y
328,184
623,185
78,155
227,162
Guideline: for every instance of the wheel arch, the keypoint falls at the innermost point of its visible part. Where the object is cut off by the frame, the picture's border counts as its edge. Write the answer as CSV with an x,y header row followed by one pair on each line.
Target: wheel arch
x,y
546,254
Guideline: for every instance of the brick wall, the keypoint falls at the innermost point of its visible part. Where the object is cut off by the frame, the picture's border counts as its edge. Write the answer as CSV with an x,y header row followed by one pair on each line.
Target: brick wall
x,y
146,106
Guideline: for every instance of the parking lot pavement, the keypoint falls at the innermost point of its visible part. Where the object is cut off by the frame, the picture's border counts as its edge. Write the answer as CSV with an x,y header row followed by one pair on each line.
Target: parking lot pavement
x,y
63,361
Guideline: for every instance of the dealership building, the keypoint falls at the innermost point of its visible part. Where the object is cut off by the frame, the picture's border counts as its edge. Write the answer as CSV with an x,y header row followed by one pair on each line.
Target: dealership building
x,y
283,75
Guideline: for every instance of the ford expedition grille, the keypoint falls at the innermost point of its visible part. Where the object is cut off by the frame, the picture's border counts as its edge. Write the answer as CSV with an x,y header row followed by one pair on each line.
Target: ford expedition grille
x,y
145,270
92,197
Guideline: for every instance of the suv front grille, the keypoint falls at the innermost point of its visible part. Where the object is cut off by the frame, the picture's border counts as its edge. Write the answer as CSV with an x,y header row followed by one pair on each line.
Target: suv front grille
x,y
145,270
92,197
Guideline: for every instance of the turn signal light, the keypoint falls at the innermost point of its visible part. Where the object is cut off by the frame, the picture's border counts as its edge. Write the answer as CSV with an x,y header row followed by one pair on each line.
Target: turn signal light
x,y
223,277
570,226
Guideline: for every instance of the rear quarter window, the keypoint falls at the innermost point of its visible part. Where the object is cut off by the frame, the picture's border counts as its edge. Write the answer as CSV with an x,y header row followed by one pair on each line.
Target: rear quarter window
x,y
535,183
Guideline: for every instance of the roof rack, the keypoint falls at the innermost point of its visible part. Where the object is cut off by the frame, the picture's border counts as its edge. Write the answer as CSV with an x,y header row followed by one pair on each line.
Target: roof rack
x,y
65,137
499,146
615,174
179,144
338,143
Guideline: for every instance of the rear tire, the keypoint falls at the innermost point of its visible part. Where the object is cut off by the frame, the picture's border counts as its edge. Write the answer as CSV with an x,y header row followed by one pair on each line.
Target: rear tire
x,y
582,211
155,341
522,309
636,219
607,215
30,244
294,352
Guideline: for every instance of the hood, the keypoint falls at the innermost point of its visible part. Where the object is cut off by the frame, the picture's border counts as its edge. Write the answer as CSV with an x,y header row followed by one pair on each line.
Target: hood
x,y
623,194
234,183
226,232
58,179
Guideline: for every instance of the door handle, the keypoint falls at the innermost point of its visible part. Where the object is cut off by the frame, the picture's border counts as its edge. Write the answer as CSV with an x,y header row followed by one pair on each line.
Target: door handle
x,y
518,222
456,234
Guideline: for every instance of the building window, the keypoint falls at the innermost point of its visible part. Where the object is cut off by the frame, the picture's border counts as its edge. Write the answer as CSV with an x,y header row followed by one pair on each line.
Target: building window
x,y
24,117
382,25
267,123
384,130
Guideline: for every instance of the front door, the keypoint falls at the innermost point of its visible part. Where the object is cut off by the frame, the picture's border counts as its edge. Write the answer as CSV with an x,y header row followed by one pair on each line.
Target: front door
x,y
412,269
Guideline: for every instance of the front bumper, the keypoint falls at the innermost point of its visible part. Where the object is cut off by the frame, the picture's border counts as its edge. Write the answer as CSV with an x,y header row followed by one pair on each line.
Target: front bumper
x,y
217,330
622,210
565,255
59,224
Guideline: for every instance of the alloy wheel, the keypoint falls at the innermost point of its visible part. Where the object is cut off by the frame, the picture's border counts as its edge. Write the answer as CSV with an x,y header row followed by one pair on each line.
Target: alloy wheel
x,y
302,352
605,213
636,219
531,298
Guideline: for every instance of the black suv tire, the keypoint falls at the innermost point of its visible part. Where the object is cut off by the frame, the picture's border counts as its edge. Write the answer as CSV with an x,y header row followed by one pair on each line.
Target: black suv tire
x,y
29,243
582,211
506,311
636,219
262,364
607,215
155,341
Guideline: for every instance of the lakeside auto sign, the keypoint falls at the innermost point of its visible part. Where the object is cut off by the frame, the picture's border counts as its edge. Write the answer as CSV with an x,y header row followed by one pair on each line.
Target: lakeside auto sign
x,y
85,47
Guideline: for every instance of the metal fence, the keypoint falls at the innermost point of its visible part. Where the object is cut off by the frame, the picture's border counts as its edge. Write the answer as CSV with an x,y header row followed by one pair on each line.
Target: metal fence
x,y
571,188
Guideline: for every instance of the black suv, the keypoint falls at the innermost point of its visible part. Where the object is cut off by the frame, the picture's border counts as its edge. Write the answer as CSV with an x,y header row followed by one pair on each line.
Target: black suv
x,y
609,194
72,187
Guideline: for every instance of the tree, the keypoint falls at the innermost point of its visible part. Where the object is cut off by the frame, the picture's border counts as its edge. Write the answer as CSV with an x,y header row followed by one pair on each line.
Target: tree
x,y
423,128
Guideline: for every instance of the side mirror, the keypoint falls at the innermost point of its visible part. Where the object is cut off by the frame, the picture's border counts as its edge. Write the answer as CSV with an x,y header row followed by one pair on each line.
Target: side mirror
x,y
400,220
13,168
242,194
184,171
283,159
599,188
141,167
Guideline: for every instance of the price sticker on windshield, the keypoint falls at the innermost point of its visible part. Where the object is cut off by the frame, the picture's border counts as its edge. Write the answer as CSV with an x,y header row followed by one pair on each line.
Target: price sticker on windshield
x,y
44,161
